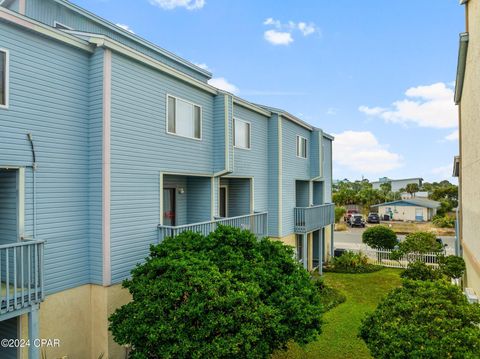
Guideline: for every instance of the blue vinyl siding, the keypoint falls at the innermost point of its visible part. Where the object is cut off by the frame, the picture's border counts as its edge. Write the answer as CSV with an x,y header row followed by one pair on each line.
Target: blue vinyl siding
x,y
219,133
254,162
302,194
199,199
8,206
238,194
48,11
141,149
315,154
49,98
273,166
318,192
327,163
294,168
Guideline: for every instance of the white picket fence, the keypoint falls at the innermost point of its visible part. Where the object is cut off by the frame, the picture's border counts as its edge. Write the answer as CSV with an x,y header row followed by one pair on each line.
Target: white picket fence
x,y
383,257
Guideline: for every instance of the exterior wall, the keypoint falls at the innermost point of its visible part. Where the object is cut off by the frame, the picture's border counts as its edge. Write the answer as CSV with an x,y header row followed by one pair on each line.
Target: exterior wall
x,y
398,184
302,193
274,179
327,169
293,168
141,149
49,11
405,213
470,150
59,124
8,206
238,195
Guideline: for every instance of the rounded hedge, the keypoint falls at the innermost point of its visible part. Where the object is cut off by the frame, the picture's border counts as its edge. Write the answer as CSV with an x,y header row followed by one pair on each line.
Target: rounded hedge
x,y
452,266
423,319
225,295
380,237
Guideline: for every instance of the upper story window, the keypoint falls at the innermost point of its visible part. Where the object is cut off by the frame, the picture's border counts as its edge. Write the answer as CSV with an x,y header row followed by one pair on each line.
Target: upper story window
x,y
241,130
184,118
3,78
301,147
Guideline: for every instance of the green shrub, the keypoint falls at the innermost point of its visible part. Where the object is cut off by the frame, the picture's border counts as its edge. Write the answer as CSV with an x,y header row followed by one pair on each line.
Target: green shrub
x,y
380,237
423,319
339,212
329,297
351,262
452,266
420,271
225,295
420,242
444,221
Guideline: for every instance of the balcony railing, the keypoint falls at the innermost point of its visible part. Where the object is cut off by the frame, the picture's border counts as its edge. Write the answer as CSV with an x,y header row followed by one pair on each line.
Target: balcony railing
x,y
256,223
22,276
309,219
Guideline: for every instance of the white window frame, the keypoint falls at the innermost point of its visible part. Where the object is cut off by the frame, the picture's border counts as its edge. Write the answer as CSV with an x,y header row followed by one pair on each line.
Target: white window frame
x,y
306,147
62,26
7,78
191,103
235,119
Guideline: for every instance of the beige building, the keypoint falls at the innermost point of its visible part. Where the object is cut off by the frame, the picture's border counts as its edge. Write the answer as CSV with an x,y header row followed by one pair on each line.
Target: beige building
x,y
467,165
416,209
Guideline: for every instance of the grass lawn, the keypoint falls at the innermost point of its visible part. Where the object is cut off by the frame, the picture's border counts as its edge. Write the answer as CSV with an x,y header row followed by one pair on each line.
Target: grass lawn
x,y
341,324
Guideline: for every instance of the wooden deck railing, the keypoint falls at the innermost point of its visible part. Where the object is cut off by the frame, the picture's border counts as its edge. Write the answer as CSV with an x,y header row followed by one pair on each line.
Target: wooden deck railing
x,y
311,218
256,223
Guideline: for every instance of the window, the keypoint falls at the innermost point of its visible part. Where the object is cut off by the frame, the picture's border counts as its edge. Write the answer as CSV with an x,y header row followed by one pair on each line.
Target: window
x,y
3,78
299,247
241,130
184,118
301,147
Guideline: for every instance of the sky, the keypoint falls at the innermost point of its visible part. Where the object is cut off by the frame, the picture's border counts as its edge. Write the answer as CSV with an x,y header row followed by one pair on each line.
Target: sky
x,y
378,75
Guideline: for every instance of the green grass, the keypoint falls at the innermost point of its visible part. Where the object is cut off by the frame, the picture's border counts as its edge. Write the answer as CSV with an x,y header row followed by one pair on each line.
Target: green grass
x,y
341,325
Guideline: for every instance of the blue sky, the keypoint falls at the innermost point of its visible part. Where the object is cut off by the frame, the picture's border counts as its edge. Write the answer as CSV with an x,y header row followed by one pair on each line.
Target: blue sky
x,y
377,74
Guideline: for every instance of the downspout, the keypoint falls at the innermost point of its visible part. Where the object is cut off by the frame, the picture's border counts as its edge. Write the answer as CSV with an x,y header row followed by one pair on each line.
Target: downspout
x,y
34,169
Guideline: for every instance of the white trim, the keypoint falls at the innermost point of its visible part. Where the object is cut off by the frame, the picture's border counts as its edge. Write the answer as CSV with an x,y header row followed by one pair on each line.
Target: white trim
x,y
241,102
212,198
252,195
106,166
25,22
7,79
166,117
62,26
306,147
161,199
227,135
280,174
249,134
226,198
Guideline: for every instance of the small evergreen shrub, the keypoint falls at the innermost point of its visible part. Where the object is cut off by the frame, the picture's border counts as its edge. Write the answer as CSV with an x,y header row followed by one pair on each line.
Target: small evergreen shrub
x,y
420,242
452,266
444,221
420,271
339,212
351,262
380,237
423,319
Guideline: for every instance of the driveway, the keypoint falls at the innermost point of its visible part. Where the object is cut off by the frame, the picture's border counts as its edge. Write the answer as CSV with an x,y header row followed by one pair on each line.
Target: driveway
x,y
352,239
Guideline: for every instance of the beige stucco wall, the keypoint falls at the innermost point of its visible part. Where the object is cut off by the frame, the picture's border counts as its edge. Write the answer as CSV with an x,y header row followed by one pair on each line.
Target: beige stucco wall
x,y
470,149
78,317
404,213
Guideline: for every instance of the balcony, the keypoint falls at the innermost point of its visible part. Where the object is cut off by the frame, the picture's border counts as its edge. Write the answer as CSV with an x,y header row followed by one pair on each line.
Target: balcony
x,y
308,219
22,277
256,223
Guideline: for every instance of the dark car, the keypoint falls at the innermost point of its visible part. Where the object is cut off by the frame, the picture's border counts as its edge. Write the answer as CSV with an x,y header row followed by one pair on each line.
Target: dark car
x,y
373,218
356,220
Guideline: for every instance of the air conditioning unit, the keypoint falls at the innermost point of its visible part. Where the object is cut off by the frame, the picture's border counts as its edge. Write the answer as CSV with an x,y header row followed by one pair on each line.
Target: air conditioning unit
x,y
471,296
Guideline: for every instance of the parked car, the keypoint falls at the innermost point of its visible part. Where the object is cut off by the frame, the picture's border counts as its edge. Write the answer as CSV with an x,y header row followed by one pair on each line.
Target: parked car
x,y
373,218
348,214
356,220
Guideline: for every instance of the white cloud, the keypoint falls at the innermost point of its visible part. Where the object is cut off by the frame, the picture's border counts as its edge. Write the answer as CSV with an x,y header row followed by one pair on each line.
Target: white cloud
x,y
202,66
282,34
454,136
278,37
360,151
172,4
443,172
426,106
223,84
125,27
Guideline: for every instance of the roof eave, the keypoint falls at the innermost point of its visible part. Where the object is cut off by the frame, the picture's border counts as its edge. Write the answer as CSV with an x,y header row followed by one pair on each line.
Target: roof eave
x,y
462,59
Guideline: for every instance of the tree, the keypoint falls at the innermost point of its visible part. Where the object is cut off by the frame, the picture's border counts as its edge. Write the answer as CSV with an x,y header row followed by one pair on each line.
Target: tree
x,y
386,188
225,295
423,319
380,237
412,188
420,242
418,270
339,212
452,266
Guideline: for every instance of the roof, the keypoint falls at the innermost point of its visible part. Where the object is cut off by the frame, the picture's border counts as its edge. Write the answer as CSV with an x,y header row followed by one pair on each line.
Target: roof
x,y
396,180
461,64
456,166
420,202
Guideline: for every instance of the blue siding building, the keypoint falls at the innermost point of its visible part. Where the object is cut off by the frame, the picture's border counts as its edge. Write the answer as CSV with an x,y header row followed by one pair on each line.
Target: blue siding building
x,y
109,143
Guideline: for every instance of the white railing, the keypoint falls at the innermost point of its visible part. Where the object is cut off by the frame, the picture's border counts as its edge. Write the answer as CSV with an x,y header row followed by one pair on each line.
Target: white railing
x,y
21,274
256,223
309,219
383,257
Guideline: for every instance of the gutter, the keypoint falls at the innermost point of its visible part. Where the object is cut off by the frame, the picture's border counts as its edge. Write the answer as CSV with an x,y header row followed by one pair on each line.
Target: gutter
x,y
462,60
